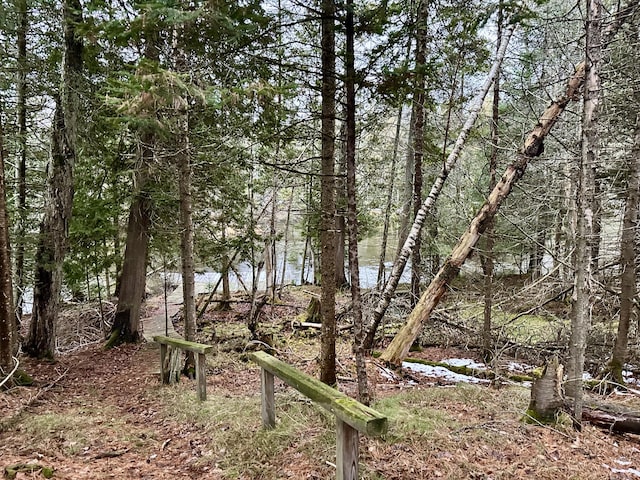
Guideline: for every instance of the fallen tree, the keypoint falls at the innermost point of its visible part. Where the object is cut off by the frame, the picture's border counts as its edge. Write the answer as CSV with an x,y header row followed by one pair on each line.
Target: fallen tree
x,y
409,244
533,147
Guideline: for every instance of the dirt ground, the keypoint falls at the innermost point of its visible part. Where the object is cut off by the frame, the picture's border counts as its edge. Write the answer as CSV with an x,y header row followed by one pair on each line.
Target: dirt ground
x,y
97,414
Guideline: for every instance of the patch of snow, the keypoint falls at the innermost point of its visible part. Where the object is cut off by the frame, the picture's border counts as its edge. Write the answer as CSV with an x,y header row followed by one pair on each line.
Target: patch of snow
x,y
465,362
518,367
441,372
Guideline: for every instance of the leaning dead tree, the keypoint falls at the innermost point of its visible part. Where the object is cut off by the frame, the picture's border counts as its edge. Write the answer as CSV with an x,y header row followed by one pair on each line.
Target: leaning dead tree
x,y
532,147
427,206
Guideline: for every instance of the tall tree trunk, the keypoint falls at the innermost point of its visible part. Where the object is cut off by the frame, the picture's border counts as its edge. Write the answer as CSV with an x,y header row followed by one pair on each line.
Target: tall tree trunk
x,y
487,255
352,209
407,184
21,108
327,200
401,260
184,164
580,312
54,229
186,234
131,291
387,211
8,333
533,147
628,253
419,97
126,324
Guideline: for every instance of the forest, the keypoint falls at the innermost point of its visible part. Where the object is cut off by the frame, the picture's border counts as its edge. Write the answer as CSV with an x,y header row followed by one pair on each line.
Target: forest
x,y
367,191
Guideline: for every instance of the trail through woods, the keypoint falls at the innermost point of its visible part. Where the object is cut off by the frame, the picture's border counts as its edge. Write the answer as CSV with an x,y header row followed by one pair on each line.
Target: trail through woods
x,y
103,414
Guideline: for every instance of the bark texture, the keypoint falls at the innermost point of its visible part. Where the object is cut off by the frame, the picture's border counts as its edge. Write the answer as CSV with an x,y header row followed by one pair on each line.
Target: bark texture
x,y
131,291
327,201
21,109
352,213
54,228
419,96
628,255
585,205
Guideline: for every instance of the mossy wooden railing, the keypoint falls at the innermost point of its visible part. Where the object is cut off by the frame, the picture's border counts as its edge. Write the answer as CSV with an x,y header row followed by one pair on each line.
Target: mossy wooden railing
x,y
198,348
352,416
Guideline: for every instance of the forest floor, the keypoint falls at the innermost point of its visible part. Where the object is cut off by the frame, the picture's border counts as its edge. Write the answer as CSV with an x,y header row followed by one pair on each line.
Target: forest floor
x,y
96,414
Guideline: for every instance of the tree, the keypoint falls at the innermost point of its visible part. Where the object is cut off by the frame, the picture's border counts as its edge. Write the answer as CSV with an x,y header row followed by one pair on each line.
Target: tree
x,y
629,249
628,254
532,147
327,200
8,333
21,108
53,239
429,202
126,322
352,210
486,255
586,225
418,114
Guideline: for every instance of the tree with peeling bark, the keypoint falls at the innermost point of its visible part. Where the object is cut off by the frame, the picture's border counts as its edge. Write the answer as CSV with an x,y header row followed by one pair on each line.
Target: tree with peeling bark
x,y
533,147
54,229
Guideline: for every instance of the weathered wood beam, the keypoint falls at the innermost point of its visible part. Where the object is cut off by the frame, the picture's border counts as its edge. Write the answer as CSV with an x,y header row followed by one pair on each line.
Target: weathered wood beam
x,y
201,361
184,344
350,411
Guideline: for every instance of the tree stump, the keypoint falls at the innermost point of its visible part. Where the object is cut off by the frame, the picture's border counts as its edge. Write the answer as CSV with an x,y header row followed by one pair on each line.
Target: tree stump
x,y
312,313
546,394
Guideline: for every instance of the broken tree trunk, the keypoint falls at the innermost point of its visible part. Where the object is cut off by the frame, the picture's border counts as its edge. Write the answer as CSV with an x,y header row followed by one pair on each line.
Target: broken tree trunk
x,y
546,394
533,147
409,244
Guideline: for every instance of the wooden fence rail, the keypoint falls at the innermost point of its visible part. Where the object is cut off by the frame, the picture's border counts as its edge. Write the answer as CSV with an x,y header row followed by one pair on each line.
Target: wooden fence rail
x,y
352,417
198,348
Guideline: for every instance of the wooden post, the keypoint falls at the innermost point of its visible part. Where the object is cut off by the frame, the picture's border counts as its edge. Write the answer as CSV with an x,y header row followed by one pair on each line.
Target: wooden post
x,y
347,451
201,376
268,399
164,376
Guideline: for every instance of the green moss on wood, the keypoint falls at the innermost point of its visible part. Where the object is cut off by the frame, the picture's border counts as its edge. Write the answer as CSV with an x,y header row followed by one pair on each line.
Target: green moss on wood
x,y
184,344
350,411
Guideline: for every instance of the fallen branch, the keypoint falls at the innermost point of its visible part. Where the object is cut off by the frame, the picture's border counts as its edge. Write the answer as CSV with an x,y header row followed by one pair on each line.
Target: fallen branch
x,y
12,372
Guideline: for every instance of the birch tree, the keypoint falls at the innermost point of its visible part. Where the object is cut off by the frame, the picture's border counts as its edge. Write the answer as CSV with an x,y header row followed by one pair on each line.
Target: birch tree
x,y
429,202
